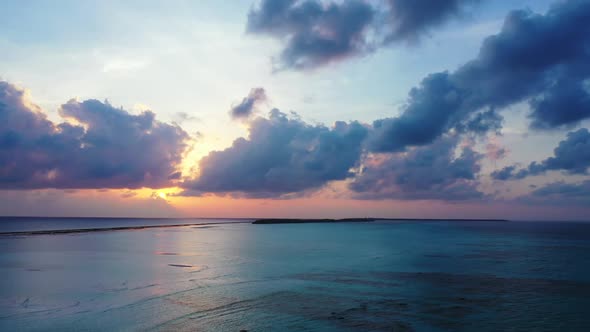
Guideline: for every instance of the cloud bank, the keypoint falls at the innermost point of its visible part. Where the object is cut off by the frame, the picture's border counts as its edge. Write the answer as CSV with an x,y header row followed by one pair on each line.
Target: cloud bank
x,y
99,147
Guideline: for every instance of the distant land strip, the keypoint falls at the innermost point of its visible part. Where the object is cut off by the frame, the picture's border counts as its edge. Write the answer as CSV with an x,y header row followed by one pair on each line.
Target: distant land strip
x,y
257,222
111,229
310,221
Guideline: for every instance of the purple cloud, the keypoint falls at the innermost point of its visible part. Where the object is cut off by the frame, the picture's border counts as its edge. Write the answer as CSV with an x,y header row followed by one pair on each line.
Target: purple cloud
x,y
248,104
429,173
282,155
100,147
572,156
316,33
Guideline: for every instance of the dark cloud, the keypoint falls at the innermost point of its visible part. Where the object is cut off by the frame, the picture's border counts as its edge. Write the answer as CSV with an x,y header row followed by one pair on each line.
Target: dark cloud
x,y
427,115
410,19
430,173
316,33
245,108
541,58
509,172
560,193
100,147
282,155
482,122
572,156
567,102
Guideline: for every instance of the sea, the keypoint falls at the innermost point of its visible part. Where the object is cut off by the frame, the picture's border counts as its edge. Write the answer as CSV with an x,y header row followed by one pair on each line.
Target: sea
x,y
231,275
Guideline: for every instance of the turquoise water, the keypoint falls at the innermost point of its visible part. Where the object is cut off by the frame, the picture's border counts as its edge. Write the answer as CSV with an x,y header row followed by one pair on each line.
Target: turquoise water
x,y
381,276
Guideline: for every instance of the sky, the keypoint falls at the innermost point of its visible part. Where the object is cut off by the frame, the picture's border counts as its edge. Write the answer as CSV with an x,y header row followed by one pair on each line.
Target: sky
x,y
308,108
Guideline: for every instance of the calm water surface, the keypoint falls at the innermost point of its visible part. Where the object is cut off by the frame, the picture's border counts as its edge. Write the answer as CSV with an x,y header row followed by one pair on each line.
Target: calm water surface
x,y
381,276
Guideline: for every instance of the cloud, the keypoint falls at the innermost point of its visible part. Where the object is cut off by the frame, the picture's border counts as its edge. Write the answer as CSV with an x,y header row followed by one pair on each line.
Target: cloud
x,y
540,58
99,147
245,108
282,155
560,193
565,103
316,33
426,173
429,112
410,19
182,117
481,123
572,156
494,151
509,172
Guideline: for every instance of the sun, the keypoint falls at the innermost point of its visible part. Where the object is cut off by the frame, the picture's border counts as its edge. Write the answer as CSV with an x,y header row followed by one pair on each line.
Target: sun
x,y
164,194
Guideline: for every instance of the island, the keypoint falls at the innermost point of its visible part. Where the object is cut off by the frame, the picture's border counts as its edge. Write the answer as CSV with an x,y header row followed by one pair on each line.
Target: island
x,y
308,221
